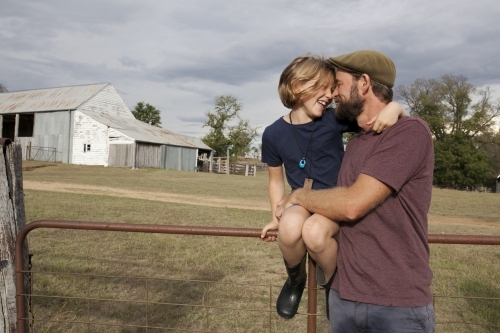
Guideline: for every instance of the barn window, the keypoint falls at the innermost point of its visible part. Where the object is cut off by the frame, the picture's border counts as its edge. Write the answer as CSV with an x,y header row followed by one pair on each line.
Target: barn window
x,y
26,123
86,147
8,126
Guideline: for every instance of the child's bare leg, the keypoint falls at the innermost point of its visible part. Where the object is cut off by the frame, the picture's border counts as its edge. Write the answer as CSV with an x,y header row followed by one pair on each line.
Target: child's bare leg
x,y
294,253
290,234
318,234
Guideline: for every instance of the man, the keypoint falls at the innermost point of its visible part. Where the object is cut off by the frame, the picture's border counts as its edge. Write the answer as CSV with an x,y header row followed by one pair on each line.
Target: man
x,y
383,278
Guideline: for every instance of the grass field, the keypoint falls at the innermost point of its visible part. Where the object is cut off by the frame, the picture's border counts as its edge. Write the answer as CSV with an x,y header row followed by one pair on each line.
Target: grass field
x,y
104,263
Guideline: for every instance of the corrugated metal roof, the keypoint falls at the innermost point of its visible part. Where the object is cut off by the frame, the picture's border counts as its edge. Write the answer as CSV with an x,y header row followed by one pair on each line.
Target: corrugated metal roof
x,y
70,98
49,99
143,132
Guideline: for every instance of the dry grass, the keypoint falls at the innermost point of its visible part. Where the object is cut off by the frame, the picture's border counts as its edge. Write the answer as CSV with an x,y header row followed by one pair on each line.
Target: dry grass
x,y
155,180
458,269
476,206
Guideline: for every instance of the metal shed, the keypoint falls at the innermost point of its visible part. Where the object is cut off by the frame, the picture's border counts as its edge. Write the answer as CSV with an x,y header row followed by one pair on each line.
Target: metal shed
x,y
90,124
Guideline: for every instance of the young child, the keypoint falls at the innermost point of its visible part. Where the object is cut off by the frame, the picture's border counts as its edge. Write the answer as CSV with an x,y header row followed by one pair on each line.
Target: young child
x,y
308,142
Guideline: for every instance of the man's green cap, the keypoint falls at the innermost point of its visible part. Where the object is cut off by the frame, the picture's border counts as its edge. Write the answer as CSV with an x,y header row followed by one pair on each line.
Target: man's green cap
x,y
378,66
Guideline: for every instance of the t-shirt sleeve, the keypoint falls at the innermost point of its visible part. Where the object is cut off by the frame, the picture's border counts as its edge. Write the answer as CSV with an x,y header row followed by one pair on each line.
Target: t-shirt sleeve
x,y
400,154
270,154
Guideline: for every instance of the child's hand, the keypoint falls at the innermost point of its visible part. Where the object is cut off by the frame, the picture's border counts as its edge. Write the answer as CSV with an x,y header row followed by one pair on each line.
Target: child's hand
x,y
273,225
379,125
387,117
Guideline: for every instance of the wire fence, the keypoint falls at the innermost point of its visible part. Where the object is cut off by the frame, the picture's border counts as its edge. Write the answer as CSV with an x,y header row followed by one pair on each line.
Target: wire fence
x,y
46,154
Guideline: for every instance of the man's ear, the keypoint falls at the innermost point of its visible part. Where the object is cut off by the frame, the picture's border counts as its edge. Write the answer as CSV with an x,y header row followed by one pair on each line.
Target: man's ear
x,y
364,83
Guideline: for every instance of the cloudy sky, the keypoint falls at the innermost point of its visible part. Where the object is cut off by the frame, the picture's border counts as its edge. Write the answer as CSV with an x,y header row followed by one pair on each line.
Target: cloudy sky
x,y
179,55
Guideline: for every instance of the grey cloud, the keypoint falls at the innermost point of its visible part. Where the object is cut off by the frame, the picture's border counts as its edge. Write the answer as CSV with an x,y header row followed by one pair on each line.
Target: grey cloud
x,y
193,119
41,73
131,62
237,65
182,54
91,15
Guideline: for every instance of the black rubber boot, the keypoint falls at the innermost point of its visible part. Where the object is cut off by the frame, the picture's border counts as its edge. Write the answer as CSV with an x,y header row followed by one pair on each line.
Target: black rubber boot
x,y
291,293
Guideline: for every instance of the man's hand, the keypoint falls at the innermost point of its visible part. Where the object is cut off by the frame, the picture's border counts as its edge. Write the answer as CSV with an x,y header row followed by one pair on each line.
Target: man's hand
x,y
288,201
280,206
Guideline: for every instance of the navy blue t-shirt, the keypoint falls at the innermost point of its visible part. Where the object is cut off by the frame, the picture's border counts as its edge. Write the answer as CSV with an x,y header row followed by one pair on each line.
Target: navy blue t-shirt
x,y
323,157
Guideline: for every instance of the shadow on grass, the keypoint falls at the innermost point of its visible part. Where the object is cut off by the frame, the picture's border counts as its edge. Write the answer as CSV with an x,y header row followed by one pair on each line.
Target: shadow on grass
x,y
108,304
482,311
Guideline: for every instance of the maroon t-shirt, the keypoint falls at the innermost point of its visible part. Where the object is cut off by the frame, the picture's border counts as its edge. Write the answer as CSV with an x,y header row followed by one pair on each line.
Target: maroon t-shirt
x,y
384,256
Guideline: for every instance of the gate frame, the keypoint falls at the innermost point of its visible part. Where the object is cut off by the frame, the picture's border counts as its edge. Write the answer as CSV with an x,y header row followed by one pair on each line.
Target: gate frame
x,y
200,231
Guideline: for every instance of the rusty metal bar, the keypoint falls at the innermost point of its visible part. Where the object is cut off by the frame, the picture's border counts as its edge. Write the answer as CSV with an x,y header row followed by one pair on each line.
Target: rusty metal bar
x,y
191,230
270,307
312,296
464,239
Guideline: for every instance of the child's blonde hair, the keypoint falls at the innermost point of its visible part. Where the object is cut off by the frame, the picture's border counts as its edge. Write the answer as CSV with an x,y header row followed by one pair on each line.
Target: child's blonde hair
x,y
300,71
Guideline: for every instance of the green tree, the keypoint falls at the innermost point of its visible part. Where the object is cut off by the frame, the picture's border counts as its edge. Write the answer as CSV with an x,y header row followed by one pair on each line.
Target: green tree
x,y
3,88
424,100
459,163
241,137
227,130
463,132
147,113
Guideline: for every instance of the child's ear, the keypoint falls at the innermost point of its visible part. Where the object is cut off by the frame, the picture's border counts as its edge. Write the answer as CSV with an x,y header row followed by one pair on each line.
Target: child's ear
x,y
296,86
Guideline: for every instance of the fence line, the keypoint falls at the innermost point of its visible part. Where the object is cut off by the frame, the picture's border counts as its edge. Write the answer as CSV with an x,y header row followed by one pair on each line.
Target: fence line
x,y
220,165
192,230
47,154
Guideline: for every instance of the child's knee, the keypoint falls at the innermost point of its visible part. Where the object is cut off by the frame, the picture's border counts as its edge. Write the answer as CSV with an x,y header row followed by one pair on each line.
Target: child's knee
x,y
317,233
290,228
315,226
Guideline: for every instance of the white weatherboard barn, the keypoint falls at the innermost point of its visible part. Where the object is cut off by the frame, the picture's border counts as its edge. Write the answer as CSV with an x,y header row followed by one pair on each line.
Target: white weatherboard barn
x,y
91,125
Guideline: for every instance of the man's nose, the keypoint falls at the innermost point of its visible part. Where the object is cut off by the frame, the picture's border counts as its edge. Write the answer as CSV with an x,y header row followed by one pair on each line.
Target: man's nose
x,y
335,91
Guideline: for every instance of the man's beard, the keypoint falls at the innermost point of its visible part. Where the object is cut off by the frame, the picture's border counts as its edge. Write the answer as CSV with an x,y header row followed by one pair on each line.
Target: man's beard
x,y
350,109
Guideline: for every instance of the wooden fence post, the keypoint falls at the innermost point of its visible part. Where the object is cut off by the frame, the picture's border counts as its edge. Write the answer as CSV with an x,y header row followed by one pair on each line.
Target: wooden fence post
x,y
12,219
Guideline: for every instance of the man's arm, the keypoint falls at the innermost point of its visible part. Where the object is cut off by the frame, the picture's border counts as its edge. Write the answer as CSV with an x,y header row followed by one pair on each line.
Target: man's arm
x,y
340,203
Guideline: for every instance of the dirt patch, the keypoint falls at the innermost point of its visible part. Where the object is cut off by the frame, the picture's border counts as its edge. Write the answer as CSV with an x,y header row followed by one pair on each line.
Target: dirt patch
x,y
207,201
30,168
146,195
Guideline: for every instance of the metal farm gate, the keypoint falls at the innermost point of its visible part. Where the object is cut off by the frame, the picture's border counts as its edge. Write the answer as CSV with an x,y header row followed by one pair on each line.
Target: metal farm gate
x,y
22,295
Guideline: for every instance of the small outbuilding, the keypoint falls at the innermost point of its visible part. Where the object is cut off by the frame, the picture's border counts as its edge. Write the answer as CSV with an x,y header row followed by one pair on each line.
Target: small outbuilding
x,y
91,125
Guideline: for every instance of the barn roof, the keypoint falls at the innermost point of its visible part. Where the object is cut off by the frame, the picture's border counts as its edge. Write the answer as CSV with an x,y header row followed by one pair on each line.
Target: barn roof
x,y
70,98
143,132
48,99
